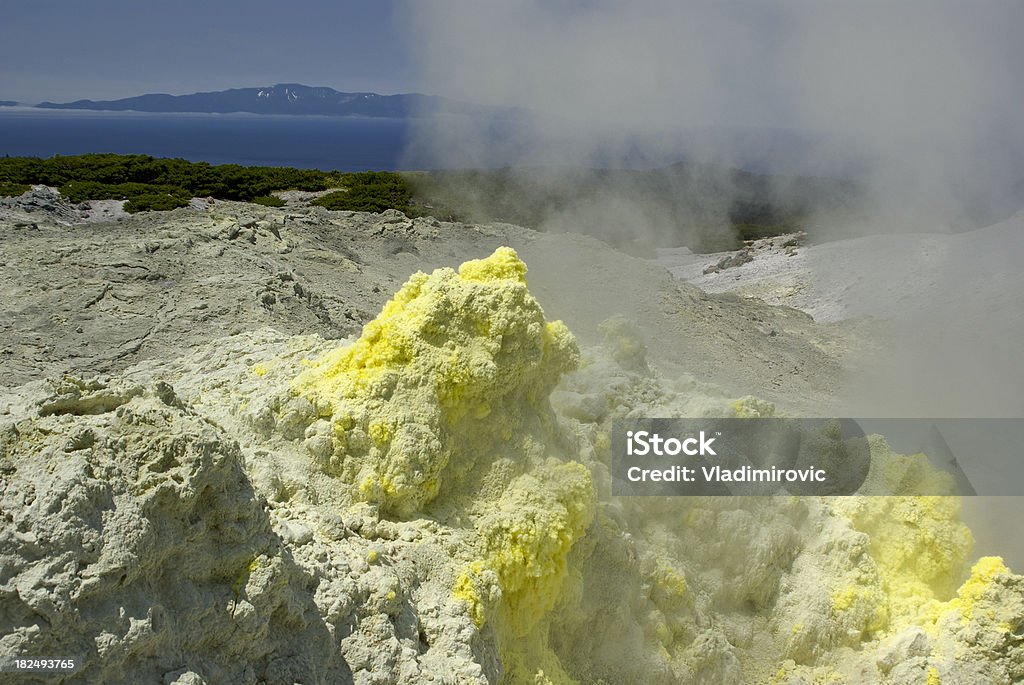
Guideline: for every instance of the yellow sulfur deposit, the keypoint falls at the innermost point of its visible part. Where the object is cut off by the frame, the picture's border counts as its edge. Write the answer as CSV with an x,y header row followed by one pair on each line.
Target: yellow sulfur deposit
x,y
526,541
529,535
444,398
919,546
918,543
455,371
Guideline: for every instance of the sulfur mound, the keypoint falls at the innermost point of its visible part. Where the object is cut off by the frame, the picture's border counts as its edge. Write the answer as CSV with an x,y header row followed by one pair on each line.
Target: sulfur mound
x,y
454,372
444,397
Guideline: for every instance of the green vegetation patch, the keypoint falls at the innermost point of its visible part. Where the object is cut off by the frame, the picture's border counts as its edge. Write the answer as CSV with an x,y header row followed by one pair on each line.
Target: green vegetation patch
x,y
369,191
147,202
150,183
706,207
80,191
8,189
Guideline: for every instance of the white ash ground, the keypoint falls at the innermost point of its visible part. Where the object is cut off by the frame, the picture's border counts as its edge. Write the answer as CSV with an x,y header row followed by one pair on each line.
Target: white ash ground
x,y
887,276
302,198
945,311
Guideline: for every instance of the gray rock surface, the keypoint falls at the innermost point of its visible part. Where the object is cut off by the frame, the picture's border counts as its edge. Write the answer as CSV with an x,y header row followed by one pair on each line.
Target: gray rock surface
x,y
40,203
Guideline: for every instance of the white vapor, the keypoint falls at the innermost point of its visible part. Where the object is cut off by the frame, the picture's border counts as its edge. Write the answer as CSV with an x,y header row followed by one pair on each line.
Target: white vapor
x,y
922,98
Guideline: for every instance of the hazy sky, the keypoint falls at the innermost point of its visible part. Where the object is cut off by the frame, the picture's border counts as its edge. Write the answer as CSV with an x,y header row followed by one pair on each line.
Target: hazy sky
x,y
68,49
898,64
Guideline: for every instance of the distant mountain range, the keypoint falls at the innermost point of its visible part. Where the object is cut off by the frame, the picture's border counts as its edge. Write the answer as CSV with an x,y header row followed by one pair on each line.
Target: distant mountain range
x,y
290,98
8,103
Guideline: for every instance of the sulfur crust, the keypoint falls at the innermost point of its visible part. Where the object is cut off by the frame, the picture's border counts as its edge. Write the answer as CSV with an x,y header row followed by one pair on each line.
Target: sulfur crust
x,y
918,543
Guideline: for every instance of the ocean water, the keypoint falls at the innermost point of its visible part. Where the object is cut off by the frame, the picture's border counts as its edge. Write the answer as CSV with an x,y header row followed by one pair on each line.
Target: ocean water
x,y
369,144
310,142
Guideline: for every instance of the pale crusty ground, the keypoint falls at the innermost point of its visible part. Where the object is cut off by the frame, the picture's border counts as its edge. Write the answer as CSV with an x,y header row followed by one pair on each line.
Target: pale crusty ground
x,y
159,520
97,297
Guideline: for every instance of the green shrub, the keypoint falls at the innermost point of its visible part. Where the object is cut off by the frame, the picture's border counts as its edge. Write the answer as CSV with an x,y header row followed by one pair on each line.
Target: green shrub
x,y
110,176
368,191
268,201
80,191
156,202
149,182
8,189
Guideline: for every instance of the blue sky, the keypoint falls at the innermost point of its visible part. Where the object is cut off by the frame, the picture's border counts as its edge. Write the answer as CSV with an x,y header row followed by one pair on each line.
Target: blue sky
x,y
68,49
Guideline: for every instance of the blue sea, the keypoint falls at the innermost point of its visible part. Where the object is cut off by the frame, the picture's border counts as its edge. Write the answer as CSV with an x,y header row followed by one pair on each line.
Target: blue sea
x,y
374,144
379,144
310,142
